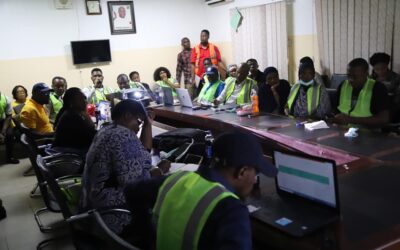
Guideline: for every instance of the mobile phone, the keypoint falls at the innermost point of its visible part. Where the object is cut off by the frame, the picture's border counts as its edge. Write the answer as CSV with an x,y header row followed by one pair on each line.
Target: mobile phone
x,y
193,159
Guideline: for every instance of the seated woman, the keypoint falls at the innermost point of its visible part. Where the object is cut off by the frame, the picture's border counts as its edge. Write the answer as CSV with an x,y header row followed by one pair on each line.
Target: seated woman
x,y
20,95
212,88
162,78
274,93
74,130
116,158
308,99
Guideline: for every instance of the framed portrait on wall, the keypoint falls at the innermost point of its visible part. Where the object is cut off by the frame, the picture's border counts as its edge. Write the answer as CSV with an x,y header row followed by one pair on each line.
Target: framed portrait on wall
x,y
122,17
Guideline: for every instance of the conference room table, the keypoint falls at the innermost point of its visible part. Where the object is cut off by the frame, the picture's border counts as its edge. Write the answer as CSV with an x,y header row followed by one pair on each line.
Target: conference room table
x,y
368,168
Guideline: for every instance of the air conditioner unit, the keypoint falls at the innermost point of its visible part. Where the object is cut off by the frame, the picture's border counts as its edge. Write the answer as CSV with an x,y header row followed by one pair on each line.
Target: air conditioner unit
x,y
214,2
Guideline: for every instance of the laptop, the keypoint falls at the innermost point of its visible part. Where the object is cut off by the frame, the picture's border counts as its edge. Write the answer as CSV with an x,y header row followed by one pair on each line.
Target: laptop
x,y
168,97
185,100
307,195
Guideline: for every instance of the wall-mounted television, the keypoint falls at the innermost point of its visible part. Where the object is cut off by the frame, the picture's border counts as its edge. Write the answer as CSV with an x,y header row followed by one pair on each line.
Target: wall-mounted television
x,y
92,51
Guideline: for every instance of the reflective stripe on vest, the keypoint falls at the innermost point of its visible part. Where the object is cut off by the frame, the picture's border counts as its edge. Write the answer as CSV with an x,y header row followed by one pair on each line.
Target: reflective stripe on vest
x,y
3,105
363,104
56,103
163,84
244,94
207,93
184,203
213,56
313,95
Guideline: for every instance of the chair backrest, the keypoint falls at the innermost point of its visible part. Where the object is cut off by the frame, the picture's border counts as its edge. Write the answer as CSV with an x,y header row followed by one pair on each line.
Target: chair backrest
x,y
332,93
55,189
336,80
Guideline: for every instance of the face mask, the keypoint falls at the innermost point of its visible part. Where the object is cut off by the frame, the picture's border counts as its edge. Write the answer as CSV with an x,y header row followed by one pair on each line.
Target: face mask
x,y
306,83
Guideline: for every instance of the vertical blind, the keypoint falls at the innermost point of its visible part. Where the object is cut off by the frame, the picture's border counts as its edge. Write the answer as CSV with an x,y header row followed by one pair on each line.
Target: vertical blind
x,y
347,29
263,36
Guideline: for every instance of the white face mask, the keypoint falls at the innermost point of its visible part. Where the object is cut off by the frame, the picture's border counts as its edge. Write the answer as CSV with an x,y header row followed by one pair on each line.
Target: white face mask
x,y
306,83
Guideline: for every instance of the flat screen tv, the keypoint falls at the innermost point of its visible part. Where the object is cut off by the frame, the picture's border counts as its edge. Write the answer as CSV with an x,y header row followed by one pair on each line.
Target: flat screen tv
x,y
91,51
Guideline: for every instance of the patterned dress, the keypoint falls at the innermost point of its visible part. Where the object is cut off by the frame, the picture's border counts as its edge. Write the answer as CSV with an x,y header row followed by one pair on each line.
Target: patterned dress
x,y
115,158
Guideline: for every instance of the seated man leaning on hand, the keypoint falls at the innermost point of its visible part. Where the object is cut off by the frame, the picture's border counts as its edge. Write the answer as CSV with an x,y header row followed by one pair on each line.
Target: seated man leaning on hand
x,y
212,88
33,114
361,100
202,209
238,91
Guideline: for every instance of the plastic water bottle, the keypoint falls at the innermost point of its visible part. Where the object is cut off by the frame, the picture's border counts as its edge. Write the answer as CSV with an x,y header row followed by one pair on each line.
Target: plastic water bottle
x,y
254,102
209,139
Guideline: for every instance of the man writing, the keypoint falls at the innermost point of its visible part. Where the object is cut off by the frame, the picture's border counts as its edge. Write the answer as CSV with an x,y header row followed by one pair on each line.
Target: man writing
x,y
202,209
361,100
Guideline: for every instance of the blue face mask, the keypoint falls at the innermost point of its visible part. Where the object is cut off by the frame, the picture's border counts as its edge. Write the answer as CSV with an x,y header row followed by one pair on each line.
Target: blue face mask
x,y
306,83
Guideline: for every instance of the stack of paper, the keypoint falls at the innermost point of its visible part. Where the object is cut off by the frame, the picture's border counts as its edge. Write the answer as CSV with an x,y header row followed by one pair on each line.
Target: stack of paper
x,y
183,167
315,125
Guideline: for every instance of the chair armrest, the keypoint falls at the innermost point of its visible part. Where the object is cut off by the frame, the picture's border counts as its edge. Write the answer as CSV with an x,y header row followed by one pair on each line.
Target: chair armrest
x,y
68,177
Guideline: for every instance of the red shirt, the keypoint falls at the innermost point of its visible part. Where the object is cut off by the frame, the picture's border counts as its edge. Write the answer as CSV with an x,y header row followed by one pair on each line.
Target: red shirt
x,y
204,53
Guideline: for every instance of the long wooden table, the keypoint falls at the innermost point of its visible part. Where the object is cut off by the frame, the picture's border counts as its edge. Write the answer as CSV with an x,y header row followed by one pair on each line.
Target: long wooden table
x,y
368,168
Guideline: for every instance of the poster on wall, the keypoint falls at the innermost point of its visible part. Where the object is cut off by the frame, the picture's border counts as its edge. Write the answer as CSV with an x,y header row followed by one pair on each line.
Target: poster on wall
x,y
122,17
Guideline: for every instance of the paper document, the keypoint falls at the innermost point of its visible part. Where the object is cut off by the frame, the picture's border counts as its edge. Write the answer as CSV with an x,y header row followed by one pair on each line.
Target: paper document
x,y
183,166
315,125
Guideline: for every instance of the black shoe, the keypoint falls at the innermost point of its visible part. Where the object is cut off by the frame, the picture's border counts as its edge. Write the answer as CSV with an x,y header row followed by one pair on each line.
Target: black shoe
x,y
12,160
3,213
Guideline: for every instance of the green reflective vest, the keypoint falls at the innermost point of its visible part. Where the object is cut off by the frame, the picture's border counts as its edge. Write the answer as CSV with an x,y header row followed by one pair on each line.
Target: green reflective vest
x,y
245,92
3,105
313,94
163,84
207,93
363,104
99,96
184,203
56,103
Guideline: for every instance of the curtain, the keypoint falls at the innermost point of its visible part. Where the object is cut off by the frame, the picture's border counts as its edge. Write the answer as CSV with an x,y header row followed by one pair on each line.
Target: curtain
x,y
263,36
347,29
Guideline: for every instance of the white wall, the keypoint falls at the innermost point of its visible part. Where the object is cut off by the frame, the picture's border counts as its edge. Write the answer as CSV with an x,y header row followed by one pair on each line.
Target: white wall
x,y
34,28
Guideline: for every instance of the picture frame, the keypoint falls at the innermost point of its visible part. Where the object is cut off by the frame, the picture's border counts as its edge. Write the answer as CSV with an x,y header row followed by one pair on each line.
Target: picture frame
x,y
122,17
93,7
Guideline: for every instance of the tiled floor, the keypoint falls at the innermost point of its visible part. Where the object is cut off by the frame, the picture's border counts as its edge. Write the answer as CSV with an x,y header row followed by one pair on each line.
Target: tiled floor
x,y
19,230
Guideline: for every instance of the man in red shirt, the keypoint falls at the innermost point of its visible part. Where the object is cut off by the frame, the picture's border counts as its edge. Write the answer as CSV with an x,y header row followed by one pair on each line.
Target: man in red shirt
x,y
202,51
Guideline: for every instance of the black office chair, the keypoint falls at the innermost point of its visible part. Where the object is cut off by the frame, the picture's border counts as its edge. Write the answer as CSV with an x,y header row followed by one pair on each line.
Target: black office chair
x,y
54,191
63,166
88,229
336,80
97,234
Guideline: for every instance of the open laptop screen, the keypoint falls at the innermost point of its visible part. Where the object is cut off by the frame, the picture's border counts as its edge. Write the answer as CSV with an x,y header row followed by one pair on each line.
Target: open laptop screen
x,y
306,177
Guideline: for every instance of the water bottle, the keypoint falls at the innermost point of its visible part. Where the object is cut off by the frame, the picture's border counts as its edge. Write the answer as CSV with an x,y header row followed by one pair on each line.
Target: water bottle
x,y
209,139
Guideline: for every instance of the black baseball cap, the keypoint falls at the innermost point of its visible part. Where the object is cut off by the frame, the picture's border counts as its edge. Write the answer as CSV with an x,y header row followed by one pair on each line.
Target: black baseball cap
x,y
41,87
212,70
237,149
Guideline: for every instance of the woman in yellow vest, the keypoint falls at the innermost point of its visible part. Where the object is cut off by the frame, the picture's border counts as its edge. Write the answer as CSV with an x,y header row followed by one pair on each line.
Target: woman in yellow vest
x,y
20,95
163,78
361,100
308,99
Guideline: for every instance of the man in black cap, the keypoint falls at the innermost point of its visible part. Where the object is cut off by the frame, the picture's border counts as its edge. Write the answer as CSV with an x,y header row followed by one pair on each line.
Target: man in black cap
x,y
212,88
202,209
33,114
